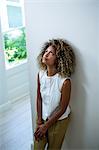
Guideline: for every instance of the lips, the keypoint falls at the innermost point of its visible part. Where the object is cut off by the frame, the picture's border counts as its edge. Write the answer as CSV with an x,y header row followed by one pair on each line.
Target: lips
x,y
45,58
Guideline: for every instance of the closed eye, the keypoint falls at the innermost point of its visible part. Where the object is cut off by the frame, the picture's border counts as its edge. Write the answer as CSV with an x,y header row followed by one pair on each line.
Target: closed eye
x,y
50,52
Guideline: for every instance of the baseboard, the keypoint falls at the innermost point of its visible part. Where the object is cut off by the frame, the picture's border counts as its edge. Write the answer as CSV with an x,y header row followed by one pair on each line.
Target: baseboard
x,y
6,106
22,97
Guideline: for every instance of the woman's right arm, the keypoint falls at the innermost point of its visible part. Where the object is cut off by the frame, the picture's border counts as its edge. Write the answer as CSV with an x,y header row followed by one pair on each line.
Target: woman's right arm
x,y
39,103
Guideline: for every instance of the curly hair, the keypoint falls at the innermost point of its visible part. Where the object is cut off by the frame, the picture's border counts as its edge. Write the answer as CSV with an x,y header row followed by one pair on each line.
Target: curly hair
x,y
64,54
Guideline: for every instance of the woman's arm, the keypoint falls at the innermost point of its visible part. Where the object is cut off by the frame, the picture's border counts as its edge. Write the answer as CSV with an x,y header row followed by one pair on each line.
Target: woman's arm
x,y
65,98
39,103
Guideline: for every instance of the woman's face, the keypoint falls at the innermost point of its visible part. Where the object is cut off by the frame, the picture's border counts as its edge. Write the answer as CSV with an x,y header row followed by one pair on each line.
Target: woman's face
x,y
49,57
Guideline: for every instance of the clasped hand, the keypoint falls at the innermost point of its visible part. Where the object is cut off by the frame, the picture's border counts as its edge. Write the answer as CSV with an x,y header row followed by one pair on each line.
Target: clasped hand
x,y
40,131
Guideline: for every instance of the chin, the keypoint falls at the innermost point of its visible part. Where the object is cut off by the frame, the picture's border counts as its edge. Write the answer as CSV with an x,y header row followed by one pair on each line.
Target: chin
x,y
44,62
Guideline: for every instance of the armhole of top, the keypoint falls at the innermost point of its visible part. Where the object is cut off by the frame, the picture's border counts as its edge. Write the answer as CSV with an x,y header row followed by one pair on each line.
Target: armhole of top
x,y
62,81
40,73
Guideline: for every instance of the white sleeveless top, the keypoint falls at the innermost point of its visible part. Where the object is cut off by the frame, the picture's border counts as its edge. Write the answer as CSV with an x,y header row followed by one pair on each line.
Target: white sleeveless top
x,y
50,88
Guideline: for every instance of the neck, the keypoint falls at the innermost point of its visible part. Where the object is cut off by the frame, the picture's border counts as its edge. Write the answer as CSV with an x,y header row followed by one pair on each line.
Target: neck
x,y
51,71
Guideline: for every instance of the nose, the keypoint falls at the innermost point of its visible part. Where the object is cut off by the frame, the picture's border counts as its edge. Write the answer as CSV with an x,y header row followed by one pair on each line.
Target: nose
x,y
46,54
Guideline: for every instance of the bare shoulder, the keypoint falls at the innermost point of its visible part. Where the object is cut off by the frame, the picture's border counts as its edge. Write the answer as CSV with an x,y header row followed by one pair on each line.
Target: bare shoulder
x,y
66,84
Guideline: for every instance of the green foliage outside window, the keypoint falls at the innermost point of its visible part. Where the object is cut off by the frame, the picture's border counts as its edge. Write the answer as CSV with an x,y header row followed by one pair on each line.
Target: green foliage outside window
x,y
15,45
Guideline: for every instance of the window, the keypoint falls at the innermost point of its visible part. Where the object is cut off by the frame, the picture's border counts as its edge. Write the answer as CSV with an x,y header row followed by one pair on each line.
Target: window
x,y
13,28
15,46
14,16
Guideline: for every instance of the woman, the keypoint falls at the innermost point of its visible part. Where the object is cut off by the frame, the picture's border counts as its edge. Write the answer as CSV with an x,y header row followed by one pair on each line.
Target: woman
x,y
57,63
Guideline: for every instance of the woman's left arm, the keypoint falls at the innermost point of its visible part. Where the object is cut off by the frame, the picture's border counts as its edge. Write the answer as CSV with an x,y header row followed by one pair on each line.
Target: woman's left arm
x,y
65,98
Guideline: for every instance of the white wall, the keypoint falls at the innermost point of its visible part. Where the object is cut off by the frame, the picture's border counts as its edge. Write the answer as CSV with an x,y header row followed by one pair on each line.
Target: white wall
x,y
76,21
18,82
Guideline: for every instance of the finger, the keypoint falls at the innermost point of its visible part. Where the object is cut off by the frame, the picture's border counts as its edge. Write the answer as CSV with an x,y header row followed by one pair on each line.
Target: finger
x,y
38,131
35,134
38,134
37,139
